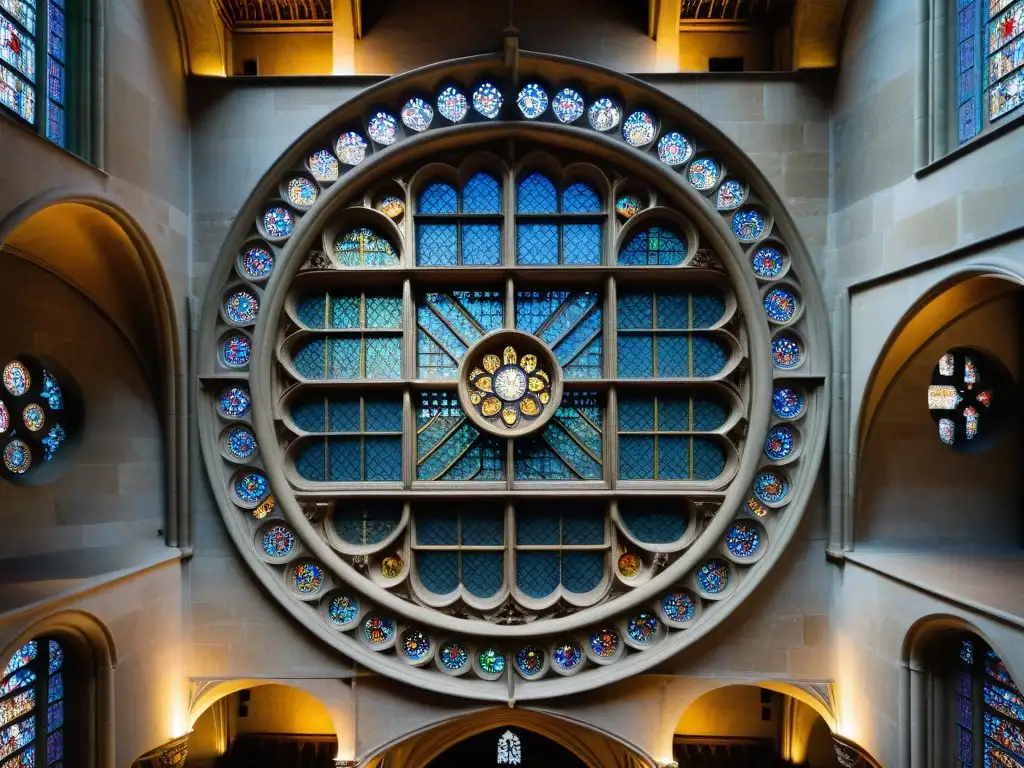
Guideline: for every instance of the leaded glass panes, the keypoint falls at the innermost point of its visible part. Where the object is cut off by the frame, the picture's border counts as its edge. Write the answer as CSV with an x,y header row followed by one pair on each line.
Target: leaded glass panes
x,y
571,445
657,438
362,440
448,324
449,447
454,229
561,545
366,524
31,706
654,246
357,356
363,247
460,544
569,322
987,708
988,65
553,228
655,338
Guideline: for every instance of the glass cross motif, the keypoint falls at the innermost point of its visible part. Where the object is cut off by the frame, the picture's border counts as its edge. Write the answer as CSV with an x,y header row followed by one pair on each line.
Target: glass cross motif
x,y
957,397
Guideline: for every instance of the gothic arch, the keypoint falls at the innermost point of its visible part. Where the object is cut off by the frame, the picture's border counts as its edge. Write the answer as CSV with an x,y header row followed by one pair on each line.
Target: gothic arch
x,y
728,252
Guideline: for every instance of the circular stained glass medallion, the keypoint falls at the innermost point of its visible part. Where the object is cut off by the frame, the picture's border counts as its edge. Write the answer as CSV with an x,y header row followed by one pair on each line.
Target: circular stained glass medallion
x,y
302,192
252,488
453,656
567,656
241,307
779,443
786,352
604,114
241,443
787,403
713,577
415,645
638,129
378,630
33,417
568,106
679,606
393,207
487,100
604,643
323,165
530,661
730,195
491,661
532,101
5,418
278,222
452,104
383,129
235,402
417,114
643,628
771,487
257,263
343,610
743,540
278,541
703,173
767,262
780,305
351,148
17,379
510,387
391,567
236,350
629,565
628,206
17,457
674,149
307,578
748,225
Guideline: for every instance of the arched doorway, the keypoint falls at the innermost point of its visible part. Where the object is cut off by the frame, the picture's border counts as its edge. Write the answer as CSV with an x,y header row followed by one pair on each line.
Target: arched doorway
x,y
507,746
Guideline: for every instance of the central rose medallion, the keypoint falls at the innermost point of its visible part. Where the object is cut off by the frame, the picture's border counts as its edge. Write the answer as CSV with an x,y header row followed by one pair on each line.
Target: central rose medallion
x,y
510,383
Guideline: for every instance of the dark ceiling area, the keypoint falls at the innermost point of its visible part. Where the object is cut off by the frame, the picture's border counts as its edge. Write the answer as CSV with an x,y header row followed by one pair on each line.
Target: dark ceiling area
x,y
773,12
241,12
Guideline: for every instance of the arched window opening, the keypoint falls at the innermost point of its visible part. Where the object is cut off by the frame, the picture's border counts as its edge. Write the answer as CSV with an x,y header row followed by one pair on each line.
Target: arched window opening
x,y
32,711
510,751
968,398
459,228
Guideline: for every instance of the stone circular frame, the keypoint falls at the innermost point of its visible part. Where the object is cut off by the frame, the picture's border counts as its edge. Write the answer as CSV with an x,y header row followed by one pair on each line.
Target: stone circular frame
x,y
246,392
532,372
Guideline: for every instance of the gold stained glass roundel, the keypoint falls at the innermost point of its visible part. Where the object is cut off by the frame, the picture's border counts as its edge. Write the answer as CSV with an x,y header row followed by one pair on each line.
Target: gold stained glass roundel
x,y
510,383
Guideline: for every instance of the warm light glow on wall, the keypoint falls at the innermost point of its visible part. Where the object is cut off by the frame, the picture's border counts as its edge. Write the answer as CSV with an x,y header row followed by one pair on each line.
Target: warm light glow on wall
x,y
853,702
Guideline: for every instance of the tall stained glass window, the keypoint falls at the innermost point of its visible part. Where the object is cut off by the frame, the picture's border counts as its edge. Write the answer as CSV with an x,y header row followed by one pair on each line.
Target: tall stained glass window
x,y
987,709
989,63
32,703
33,61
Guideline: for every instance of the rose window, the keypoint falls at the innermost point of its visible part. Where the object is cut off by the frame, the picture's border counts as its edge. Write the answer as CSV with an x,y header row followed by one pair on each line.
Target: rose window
x,y
522,405
965,397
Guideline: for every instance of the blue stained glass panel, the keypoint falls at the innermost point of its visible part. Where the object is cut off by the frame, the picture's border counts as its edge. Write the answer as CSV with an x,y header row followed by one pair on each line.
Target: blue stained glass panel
x,y
55,31
17,49
1007,95
55,81
364,248
537,244
56,657
54,747
17,95
568,322
580,198
438,198
55,688
1006,733
569,448
654,246
581,244
654,524
538,573
18,680
1004,701
54,716
23,12
481,245
17,736
482,194
21,658
448,447
366,525
437,245
536,194
651,448
448,324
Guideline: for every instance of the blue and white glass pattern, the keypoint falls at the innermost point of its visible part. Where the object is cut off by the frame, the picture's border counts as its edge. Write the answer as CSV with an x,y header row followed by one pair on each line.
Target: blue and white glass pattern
x,y
568,106
452,104
343,610
532,101
351,148
453,656
302,192
780,305
674,149
748,225
235,402
383,129
604,643
323,165
778,445
786,352
787,403
713,577
417,114
771,487
236,350
257,263
487,100
730,195
51,393
241,307
643,628
415,645
767,262
567,656
241,443
743,539
530,661
703,173
638,130
604,114
252,488
278,541
679,606
278,222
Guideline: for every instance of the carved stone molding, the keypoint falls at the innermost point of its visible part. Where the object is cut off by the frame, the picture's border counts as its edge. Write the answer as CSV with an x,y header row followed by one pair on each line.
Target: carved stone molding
x,y
850,755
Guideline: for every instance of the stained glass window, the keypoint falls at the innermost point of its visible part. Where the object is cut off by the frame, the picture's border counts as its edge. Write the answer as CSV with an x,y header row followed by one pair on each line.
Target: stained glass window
x,y
559,546
361,440
33,57
654,246
570,323
32,705
449,447
988,70
657,438
555,228
987,708
35,418
966,397
460,545
459,227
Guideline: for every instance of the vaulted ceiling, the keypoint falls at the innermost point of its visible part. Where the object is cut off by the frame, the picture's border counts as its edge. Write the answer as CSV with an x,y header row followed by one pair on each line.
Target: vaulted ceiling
x,y
237,13
773,12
